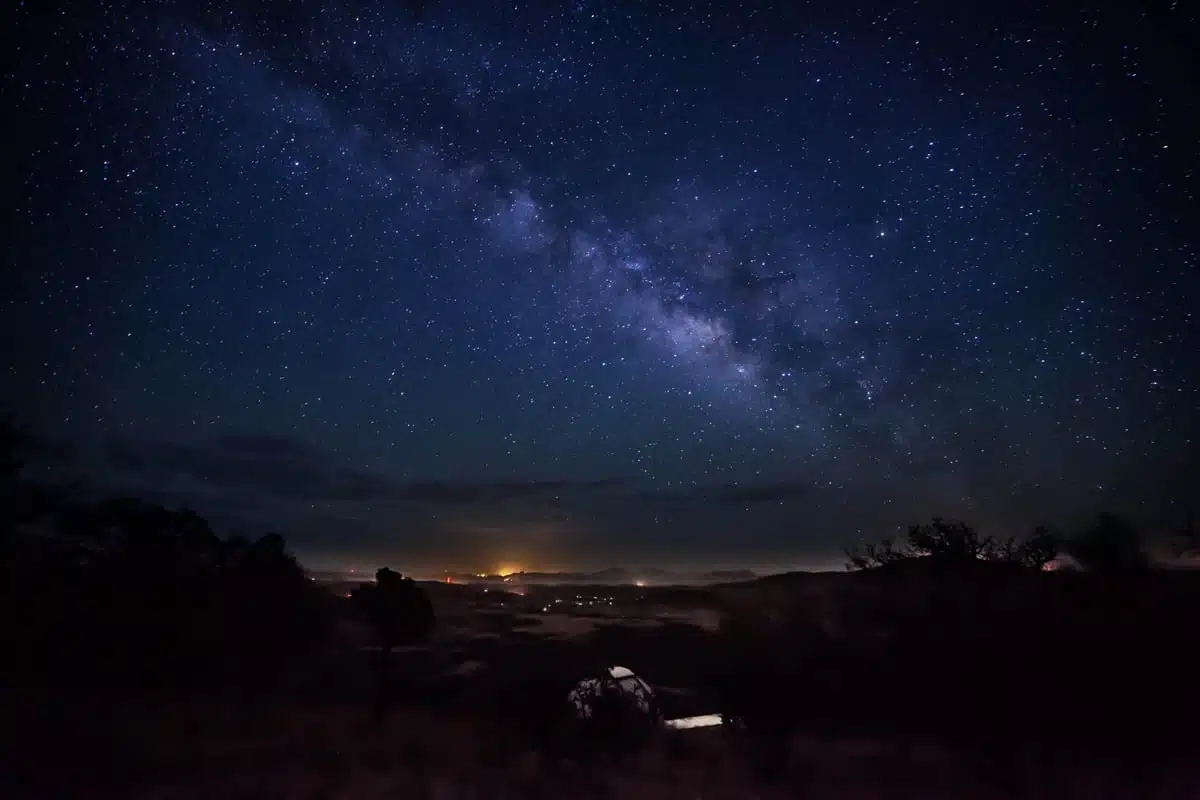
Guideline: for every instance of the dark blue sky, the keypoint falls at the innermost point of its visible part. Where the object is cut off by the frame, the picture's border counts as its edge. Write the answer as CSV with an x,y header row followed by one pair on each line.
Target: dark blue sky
x,y
607,283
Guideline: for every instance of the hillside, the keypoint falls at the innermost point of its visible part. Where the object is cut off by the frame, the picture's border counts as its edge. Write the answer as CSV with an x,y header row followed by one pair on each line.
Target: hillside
x,y
144,750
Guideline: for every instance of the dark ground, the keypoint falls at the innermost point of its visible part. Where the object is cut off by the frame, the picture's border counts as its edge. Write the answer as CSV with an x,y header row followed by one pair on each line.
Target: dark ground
x,y
1083,704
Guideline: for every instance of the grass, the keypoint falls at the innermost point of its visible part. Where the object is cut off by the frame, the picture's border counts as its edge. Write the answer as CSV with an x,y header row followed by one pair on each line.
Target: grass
x,y
148,749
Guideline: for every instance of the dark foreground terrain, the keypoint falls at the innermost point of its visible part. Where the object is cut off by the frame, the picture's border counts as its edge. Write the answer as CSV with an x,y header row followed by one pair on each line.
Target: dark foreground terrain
x,y
904,685
71,746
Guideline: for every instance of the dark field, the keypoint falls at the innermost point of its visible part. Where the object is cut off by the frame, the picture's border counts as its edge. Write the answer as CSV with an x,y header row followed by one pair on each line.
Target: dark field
x,y
478,712
152,749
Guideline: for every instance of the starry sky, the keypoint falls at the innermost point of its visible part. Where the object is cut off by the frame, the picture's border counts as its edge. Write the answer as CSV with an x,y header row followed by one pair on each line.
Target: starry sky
x,y
585,284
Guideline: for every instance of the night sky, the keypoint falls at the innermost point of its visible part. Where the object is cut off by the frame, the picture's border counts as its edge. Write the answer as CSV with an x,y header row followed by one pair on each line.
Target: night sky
x,y
450,285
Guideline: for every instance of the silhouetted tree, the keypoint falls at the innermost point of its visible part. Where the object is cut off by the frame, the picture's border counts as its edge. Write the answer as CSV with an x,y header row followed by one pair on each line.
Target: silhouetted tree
x,y
952,540
153,595
875,555
1110,544
398,609
271,607
955,541
1035,551
196,536
401,614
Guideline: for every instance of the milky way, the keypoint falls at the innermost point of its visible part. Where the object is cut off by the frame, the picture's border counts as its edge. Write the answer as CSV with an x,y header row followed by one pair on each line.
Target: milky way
x,y
890,264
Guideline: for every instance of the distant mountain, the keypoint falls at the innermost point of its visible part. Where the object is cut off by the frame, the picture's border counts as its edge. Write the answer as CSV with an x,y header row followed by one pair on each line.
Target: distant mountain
x,y
727,576
335,575
610,576
613,575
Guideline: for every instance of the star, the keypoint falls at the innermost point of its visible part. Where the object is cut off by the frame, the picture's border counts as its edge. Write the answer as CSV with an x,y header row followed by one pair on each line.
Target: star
x,y
502,283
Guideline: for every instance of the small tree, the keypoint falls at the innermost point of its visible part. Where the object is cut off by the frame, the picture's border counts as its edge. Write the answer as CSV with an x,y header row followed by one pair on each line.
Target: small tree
x,y
400,612
398,609
1039,549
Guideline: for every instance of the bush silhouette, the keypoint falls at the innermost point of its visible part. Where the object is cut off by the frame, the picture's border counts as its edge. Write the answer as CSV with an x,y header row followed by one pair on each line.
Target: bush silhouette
x,y
270,609
135,593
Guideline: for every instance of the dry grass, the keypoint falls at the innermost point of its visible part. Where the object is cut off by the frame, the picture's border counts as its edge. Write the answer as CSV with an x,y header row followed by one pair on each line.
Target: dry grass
x,y
193,750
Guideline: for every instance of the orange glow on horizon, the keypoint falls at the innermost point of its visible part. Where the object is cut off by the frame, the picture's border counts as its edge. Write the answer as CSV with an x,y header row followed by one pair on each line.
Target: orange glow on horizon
x,y
504,570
